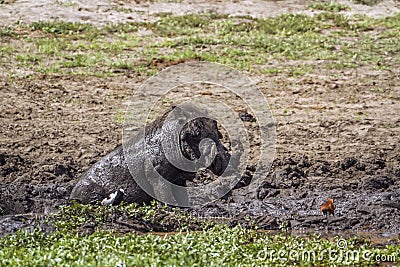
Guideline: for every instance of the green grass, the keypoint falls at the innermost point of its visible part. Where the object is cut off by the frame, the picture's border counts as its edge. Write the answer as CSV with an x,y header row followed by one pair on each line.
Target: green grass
x,y
329,6
72,217
120,9
66,3
337,41
368,2
5,32
216,246
65,28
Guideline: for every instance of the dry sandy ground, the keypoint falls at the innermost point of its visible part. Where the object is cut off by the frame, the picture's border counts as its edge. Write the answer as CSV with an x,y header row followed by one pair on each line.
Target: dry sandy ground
x,y
102,12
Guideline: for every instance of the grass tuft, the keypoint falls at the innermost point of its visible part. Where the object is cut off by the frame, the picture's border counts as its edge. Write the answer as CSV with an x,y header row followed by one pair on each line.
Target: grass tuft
x,y
329,6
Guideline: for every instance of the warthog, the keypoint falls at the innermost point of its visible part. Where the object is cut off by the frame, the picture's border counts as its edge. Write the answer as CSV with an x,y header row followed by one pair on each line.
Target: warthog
x,y
111,176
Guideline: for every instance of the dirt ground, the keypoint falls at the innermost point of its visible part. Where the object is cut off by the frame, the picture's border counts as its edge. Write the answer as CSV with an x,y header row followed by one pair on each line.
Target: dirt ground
x,y
105,11
337,135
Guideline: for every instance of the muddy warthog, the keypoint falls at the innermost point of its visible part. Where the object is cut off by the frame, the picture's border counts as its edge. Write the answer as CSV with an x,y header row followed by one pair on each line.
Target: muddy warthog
x,y
113,173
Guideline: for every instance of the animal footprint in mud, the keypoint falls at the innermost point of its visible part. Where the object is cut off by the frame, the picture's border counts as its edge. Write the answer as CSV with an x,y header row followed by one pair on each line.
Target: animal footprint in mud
x,y
328,208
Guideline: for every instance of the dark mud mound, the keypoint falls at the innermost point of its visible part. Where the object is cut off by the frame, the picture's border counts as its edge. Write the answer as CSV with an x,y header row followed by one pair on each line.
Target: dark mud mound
x,y
366,192
21,191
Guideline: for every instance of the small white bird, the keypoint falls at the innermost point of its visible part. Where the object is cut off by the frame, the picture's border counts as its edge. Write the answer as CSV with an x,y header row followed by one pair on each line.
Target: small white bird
x,y
114,198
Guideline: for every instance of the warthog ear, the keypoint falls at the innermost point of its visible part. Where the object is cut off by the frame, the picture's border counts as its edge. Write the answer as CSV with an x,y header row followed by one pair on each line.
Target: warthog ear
x,y
185,136
216,127
219,134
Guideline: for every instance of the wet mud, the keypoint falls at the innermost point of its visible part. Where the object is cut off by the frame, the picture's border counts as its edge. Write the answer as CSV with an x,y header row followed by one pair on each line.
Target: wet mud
x,y
336,138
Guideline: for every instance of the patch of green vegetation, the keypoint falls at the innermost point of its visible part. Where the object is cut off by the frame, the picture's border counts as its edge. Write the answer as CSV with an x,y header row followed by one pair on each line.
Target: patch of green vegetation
x,y
271,71
216,246
71,217
50,46
66,28
163,14
339,65
28,58
121,9
183,25
80,59
377,90
5,32
119,116
329,6
300,70
5,50
391,22
130,27
337,41
284,25
368,2
66,3
389,125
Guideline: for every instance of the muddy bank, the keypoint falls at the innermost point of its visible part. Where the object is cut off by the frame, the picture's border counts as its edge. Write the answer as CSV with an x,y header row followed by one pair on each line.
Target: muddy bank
x,y
57,127
366,192
48,143
337,130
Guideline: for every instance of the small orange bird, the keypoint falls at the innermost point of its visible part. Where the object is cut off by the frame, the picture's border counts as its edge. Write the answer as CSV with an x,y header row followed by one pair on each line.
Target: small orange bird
x,y
328,208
